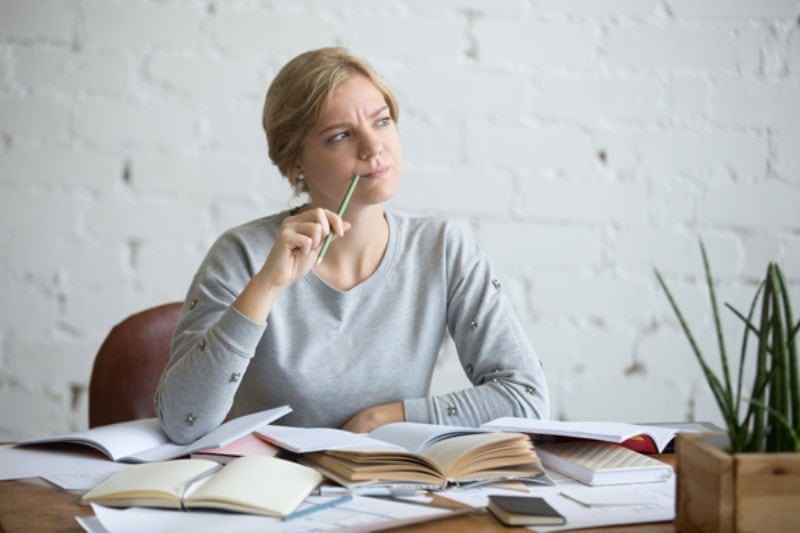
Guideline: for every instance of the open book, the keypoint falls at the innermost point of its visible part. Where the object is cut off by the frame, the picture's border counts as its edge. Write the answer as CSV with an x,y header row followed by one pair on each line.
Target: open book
x,y
143,441
410,453
256,484
618,432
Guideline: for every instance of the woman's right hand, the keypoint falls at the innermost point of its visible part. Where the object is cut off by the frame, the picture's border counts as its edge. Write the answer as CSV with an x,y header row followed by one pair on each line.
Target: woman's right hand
x,y
291,257
294,251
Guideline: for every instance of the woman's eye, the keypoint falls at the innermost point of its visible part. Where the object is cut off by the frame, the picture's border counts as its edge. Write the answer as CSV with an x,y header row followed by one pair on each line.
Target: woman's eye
x,y
339,137
384,121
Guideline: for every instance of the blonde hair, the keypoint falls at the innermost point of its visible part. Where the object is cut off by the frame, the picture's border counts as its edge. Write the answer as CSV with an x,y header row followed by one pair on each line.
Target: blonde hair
x,y
299,95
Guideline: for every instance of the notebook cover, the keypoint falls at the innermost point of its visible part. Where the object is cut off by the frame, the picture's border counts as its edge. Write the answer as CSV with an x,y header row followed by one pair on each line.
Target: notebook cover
x,y
524,510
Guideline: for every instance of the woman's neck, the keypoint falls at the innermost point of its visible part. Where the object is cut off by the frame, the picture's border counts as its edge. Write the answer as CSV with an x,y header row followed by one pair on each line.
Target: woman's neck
x,y
356,255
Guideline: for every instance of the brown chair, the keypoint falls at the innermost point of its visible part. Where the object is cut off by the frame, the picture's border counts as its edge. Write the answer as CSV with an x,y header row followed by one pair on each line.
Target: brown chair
x,y
128,366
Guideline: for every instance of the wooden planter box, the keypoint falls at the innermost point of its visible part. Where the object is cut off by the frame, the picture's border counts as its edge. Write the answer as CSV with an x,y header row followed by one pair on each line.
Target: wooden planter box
x,y
719,491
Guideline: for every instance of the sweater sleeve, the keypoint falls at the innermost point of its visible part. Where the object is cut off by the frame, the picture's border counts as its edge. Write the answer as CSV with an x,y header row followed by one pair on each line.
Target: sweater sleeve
x,y
211,348
497,357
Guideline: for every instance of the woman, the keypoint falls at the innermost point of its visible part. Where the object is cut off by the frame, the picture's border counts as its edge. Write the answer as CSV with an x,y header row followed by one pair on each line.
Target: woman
x,y
352,340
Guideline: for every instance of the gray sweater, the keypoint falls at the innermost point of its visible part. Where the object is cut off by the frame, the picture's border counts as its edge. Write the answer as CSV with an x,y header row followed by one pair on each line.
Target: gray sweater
x,y
330,354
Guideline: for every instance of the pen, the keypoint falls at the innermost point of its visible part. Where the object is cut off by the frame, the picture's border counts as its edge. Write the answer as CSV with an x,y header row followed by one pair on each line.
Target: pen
x,y
340,212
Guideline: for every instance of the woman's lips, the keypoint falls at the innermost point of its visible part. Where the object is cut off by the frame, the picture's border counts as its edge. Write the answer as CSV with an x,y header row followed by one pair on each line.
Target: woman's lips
x,y
379,173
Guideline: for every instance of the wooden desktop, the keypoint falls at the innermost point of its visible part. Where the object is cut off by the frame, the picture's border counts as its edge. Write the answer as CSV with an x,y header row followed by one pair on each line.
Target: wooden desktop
x,y
33,505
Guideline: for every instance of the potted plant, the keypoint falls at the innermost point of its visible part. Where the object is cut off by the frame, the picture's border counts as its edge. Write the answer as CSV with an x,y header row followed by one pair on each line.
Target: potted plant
x,y
747,479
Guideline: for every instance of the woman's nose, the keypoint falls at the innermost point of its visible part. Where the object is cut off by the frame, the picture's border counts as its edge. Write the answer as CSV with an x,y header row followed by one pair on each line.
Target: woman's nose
x,y
371,146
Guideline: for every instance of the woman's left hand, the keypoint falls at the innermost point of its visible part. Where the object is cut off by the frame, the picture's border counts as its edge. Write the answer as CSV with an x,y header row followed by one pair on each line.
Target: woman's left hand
x,y
373,417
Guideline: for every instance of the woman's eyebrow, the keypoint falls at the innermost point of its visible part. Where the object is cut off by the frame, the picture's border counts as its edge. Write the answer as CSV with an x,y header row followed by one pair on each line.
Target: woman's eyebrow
x,y
340,125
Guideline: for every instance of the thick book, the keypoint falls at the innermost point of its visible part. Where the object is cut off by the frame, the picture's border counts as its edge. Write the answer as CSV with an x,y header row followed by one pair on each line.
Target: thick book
x,y
640,437
410,453
143,441
254,484
601,463
524,511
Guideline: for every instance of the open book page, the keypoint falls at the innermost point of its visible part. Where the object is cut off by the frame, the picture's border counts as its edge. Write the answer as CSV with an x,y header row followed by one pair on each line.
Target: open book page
x,y
116,441
142,441
415,437
307,440
223,435
255,484
608,431
153,484
484,455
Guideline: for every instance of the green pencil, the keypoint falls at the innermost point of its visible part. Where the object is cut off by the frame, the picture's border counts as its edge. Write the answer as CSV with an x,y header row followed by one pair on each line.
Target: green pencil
x,y
340,212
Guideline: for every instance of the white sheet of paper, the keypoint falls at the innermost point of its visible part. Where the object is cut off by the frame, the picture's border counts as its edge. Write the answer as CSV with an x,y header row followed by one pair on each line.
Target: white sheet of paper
x,y
595,498
359,514
84,481
650,502
19,463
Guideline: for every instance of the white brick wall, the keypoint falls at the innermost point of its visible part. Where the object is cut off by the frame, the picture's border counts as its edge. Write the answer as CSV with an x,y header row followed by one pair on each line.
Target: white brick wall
x,y
586,141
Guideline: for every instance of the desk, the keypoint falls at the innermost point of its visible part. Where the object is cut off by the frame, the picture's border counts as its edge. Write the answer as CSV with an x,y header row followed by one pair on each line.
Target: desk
x,y
29,505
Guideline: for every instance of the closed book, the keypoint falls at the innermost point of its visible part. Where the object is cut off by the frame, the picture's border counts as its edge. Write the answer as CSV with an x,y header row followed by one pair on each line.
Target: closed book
x,y
601,463
254,484
524,511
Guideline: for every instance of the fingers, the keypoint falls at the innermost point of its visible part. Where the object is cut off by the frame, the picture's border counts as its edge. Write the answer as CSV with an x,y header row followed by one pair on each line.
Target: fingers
x,y
317,223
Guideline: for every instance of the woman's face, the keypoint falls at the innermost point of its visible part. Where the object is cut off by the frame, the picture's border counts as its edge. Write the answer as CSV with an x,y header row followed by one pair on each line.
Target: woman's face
x,y
356,135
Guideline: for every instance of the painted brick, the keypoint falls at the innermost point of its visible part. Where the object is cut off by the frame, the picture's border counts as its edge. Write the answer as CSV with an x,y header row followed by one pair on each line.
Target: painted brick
x,y
636,252
426,40
688,97
508,8
670,48
480,192
142,25
59,359
770,205
794,52
591,296
591,99
787,162
526,44
529,148
456,90
581,201
59,167
278,32
48,20
203,176
34,117
235,129
148,220
60,70
22,213
146,123
742,9
430,140
756,104
208,79
744,154
606,9
529,246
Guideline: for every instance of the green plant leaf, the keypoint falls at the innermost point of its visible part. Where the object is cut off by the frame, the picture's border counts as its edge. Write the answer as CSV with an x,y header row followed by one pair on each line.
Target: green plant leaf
x,y
722,398
723,354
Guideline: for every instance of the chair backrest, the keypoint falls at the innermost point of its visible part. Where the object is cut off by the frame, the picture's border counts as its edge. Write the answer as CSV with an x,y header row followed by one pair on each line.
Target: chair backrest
x,y
129,364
